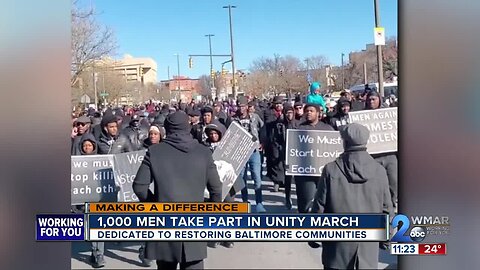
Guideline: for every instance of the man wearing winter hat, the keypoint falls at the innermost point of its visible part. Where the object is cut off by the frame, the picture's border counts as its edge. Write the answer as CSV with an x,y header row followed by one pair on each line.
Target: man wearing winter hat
x,y
164,165
194,115
388,160
271,116
340,118
252,123
219,114
353,183
298,106
198,131
136,132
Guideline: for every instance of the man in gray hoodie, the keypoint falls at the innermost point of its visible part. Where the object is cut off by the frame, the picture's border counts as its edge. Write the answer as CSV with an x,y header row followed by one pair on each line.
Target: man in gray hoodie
x,y
361,186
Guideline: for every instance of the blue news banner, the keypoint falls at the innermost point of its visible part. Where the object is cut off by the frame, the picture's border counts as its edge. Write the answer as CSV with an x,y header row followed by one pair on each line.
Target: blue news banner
x,y
213,227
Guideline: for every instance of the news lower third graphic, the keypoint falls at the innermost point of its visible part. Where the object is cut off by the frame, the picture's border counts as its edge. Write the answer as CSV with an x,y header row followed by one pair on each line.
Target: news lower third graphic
x,y
205,222
415,235
407,242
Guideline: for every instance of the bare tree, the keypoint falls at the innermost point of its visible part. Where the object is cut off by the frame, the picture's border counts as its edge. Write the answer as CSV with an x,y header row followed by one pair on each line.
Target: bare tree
x,y
256,84
390,58
354,71
90,40
204,85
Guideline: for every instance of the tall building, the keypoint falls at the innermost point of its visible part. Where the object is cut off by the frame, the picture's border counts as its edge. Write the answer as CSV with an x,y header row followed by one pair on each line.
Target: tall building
x,y
133,69
137,69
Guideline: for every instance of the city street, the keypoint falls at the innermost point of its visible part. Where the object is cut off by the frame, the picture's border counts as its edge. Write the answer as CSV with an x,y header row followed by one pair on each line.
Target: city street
x,y
268,255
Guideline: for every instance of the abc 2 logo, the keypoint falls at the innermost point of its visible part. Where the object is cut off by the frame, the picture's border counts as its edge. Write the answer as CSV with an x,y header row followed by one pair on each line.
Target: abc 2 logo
x,y
416,234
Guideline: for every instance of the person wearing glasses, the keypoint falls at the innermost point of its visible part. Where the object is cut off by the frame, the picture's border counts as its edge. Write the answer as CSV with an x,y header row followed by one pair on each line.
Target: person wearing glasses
x,y
81,126
298,107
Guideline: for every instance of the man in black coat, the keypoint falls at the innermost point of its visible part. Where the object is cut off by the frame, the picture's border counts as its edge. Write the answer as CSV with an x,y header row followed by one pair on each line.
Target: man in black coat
x,y
340,118
198,131
388,160
136,132
306,185
287,121
164,165
353,183
220,115
356,101
271,116
111,141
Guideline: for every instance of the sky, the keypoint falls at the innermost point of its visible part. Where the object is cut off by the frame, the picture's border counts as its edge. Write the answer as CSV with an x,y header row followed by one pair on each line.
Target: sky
x,y
160,29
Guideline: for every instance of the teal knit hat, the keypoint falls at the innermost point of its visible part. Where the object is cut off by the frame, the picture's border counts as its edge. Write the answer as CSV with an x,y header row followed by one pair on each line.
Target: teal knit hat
x,y
314,86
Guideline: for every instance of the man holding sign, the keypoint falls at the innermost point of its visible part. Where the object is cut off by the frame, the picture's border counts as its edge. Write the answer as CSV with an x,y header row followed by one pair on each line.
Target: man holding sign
x,y
306,185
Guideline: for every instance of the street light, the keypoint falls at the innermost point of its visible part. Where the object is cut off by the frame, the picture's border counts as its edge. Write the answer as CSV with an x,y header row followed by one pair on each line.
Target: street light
x,y
211,58
234,90
343,74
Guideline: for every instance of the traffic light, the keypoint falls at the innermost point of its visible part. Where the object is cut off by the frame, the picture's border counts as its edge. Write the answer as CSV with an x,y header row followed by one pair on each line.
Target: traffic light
x,y
190,62
224,71
140,71
281,72
213,74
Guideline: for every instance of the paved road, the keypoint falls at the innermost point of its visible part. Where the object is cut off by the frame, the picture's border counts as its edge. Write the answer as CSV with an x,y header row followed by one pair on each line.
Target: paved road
x,y
267,255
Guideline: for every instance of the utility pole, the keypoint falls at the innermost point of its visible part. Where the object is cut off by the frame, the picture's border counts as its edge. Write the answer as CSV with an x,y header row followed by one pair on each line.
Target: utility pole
x,y
211,59
379,52
104,90
234,90
178,75
169,91
95,88
343,74
365,79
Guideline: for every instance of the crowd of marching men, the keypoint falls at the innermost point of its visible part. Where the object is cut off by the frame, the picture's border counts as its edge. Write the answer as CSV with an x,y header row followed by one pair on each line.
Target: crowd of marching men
x,y
126,129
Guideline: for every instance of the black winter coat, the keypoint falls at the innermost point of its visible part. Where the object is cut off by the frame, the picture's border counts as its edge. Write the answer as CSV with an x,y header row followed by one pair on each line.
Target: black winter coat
x,y
278,144
114,145
353,183
136,135
164,165
77,144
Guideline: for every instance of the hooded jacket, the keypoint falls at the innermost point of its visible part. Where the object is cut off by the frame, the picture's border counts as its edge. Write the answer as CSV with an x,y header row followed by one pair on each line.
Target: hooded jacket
x,y
220,130
180,169
136,134
113,145
382,104
339,118
88,137
315,98
363,185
